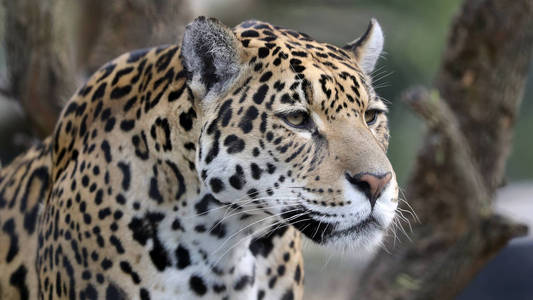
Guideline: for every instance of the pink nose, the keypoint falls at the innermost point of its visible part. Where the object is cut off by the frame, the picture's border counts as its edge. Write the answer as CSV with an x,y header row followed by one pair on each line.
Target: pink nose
x,y
372,185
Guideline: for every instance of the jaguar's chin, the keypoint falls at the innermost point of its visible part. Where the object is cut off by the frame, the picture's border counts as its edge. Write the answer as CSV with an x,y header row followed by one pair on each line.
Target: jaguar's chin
x,y
366,233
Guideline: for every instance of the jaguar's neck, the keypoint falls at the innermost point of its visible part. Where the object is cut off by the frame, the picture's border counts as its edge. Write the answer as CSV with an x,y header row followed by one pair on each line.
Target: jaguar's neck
x,y
173,216
128,148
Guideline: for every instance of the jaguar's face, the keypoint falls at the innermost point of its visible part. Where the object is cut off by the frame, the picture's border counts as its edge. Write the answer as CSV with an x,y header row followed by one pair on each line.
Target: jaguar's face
x,y
299,137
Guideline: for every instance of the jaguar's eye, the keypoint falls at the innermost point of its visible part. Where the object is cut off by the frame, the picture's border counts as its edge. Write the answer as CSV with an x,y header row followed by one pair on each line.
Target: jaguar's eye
x,y
298,119
371,116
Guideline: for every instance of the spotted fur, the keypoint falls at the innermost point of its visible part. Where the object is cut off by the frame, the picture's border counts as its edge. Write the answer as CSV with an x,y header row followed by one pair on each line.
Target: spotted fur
x,y
176,173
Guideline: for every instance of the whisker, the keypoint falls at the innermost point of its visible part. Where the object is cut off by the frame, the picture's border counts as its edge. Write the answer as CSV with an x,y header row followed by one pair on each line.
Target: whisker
x,y
255,233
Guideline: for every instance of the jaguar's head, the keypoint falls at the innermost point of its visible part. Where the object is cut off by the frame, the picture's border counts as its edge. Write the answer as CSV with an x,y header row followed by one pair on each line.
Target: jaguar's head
x,y
292,129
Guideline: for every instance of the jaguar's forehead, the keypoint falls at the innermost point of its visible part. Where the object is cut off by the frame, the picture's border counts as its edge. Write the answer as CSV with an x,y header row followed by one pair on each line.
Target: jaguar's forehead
x,y
346,86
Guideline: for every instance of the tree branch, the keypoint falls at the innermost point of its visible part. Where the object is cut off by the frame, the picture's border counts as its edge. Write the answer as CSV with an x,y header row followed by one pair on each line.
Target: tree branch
x,y
442,121
462,160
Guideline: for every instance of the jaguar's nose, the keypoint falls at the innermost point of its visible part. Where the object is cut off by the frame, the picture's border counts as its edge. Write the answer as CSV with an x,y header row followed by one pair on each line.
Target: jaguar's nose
x,y
372,185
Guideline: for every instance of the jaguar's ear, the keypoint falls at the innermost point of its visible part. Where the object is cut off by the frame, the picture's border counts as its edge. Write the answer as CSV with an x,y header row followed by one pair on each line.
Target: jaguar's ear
x,y
368,47
211,55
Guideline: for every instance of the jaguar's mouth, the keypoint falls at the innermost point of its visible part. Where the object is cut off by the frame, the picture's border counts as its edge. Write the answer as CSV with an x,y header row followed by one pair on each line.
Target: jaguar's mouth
x,y
323,231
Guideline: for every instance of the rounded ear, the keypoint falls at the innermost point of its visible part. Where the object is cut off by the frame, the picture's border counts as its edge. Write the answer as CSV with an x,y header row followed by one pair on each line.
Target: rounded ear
x,y
368,47
211,55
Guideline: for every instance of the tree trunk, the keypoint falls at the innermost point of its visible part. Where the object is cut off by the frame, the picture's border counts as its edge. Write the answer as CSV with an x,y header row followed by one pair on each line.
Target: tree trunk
x,y
53,45
39,58
110,28
462,161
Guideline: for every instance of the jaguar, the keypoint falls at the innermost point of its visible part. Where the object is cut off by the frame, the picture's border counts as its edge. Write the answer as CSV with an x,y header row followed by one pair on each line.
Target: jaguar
x,y
194,170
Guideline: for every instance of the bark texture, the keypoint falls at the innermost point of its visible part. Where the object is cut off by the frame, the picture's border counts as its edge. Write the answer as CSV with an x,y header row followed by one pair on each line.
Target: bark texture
x,y
39,58
470,118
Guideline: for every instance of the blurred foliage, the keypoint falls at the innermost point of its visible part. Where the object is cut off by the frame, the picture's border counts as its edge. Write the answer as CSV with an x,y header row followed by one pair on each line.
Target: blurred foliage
x,y
520,164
